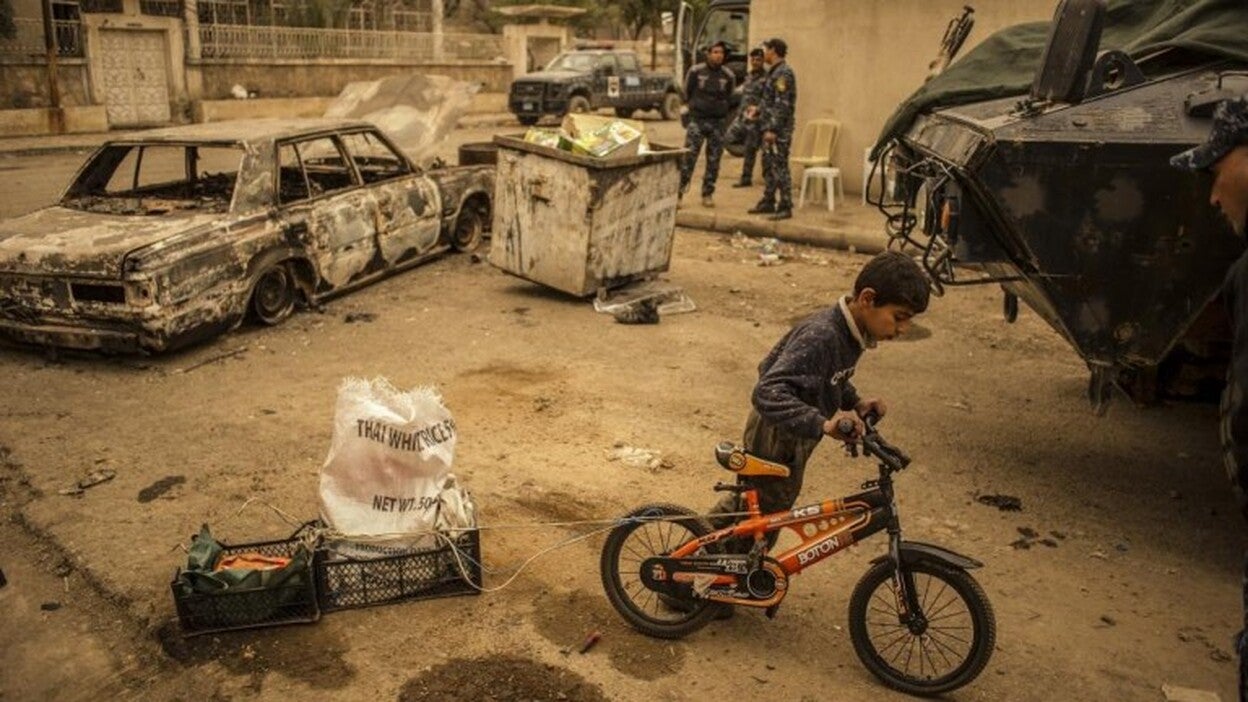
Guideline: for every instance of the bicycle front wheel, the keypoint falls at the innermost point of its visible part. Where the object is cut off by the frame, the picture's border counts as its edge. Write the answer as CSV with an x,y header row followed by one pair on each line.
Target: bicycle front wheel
x,y
949,651
653,530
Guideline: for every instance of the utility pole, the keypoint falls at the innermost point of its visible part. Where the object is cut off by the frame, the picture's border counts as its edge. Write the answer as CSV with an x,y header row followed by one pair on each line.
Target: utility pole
x,y
54,86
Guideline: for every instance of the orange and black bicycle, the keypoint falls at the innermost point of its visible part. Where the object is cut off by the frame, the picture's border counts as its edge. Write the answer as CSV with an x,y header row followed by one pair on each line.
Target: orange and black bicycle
x,y
917,618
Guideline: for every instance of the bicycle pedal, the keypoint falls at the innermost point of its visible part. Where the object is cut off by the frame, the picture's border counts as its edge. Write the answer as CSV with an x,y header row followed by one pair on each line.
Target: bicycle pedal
x,y
772,611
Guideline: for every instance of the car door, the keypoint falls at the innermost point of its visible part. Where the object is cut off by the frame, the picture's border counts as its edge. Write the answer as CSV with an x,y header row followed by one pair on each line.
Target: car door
x,y
408,203
633,91
322,205
607,82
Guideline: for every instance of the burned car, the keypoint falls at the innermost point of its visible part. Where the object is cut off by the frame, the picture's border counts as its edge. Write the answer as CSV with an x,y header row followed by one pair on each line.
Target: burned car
x,y
171,236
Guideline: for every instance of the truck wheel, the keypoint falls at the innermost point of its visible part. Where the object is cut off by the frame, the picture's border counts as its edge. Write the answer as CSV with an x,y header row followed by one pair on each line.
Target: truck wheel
x,y
578,104
624,112
528,121
670,107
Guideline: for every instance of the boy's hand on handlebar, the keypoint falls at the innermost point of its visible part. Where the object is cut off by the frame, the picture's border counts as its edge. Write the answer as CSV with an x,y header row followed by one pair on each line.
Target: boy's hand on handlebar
x,y
844,426
874,406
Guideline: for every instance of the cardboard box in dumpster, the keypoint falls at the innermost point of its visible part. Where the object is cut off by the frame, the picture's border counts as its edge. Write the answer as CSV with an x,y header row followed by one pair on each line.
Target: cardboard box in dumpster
x,y
605,137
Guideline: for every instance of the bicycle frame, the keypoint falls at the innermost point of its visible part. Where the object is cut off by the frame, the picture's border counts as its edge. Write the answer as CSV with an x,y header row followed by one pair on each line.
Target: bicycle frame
x,y
825,528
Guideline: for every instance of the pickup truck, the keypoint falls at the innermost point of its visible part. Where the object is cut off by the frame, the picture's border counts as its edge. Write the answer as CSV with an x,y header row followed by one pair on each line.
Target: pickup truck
x,y
585,80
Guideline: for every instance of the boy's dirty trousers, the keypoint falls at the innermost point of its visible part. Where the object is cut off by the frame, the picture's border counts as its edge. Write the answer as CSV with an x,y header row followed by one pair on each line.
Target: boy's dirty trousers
x,y
769,442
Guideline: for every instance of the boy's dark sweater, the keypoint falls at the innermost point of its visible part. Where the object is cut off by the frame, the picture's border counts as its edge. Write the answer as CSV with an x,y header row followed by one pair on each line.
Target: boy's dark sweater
x,y
804,380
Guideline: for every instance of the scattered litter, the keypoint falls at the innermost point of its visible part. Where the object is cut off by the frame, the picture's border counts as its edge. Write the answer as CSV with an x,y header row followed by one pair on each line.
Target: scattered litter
x,y
1028,532
353,317
1059,535
959,405
476,258
1121,547
1108,620
1021,544
1219,655
1175,693
637,457
1005,503
50,606
644,311
1099,554
3,581
1049,542
593,638
644,303
90,480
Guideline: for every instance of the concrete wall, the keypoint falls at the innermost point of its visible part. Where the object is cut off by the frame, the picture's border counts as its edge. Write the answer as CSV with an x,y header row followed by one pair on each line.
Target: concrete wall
x,y
224,110
326,78
855,61
25,85
75,120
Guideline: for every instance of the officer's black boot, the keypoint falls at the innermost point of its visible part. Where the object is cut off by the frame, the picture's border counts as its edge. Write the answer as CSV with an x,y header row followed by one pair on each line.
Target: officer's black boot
x,y
783,211
743,183
763,207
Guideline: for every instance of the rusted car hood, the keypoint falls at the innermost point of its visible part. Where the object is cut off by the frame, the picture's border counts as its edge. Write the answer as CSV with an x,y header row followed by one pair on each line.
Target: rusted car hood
x,y
58,240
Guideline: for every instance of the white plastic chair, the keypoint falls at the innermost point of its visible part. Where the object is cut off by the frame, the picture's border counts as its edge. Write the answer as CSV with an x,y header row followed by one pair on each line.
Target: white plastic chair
x,y
829,177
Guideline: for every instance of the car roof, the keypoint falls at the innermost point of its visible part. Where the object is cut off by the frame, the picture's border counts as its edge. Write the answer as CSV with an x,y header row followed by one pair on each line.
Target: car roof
x,y
246,131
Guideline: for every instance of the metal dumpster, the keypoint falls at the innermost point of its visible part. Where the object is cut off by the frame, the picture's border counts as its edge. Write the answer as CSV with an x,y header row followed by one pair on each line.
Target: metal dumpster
x,y
581,224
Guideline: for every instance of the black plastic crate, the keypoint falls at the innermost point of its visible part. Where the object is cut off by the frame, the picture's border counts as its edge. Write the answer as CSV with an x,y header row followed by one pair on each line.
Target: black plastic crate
x,y
290,603
344,583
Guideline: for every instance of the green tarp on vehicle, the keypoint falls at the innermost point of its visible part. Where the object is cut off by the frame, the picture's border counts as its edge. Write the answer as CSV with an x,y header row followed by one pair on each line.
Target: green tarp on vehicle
x,y
1005,64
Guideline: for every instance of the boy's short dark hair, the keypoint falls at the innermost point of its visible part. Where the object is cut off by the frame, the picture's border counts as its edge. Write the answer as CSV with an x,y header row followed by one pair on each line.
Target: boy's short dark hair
x,y
756,52
896,280
720,45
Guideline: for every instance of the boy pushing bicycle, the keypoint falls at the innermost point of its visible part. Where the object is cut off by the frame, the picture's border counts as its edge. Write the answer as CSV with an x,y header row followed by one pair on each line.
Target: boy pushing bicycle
x,y
804,390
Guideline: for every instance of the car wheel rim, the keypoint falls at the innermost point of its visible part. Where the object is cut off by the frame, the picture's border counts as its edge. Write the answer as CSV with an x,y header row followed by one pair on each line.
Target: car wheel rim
x,y
274,297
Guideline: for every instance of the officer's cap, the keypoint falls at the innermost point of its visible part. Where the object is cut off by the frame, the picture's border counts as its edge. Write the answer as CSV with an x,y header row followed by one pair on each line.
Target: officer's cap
x,y
1230,129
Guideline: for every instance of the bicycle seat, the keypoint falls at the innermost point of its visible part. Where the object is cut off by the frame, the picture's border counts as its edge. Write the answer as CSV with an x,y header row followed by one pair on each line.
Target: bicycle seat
x,y
735,459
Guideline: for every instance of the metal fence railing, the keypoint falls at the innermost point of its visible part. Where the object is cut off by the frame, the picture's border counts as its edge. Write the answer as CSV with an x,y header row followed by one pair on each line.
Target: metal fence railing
x,y
28,41
239,41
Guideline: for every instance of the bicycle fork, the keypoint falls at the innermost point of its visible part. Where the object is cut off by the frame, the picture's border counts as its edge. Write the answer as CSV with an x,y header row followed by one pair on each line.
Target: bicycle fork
x,y
909,610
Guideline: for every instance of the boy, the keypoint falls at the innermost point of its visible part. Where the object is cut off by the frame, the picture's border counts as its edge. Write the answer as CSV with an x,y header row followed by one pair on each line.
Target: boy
x,y
804,386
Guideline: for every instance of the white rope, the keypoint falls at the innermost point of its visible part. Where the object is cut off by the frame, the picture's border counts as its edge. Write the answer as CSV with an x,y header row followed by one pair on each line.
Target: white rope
x,y
318,533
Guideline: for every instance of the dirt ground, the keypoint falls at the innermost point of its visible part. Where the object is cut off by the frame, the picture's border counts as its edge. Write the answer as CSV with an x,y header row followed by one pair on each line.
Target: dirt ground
x,y
1128,583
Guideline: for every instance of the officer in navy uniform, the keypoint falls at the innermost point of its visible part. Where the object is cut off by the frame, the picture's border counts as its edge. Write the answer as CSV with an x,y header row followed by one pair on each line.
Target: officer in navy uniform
x,y
745,128
708,95
1225,156
779,103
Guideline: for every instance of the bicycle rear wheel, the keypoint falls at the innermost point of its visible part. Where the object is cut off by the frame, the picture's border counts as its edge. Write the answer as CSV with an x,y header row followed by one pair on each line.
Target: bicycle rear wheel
x,y
647,532
948,652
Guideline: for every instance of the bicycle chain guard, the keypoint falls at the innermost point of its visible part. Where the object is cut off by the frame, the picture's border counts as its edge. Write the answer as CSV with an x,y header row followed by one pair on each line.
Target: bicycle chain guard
x,y
719,578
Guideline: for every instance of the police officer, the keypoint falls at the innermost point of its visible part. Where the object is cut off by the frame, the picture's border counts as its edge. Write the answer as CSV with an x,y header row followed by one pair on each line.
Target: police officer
x,y
779,102
744,128
709,95
1225,156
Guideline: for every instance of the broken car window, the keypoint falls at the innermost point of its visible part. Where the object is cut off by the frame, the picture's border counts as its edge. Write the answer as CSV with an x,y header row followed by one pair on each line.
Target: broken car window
x,y
325,166
375,160
292,186
153,179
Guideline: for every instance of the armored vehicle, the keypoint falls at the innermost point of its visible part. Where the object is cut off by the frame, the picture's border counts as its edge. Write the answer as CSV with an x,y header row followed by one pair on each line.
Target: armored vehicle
x,y
1040,162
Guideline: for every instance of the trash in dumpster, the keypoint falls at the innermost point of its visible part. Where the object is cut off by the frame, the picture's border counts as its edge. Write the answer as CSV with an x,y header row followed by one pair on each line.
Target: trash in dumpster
x,y
594,136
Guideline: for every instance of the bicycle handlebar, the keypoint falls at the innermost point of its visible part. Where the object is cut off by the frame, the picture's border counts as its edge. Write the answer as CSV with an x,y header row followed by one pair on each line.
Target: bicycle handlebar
x,y
874,445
